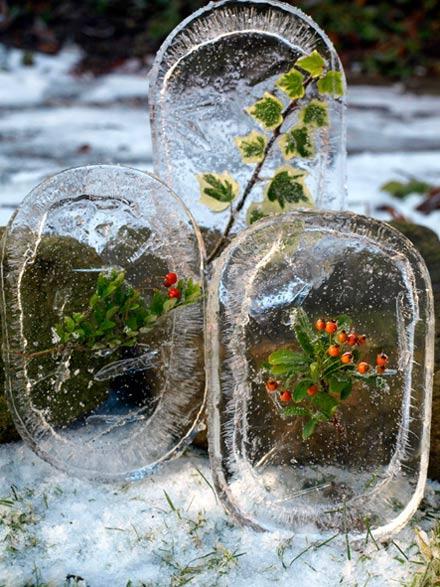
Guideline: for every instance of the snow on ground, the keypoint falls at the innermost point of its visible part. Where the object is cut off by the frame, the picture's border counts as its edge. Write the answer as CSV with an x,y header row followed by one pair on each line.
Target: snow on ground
x,y
52,526
168,530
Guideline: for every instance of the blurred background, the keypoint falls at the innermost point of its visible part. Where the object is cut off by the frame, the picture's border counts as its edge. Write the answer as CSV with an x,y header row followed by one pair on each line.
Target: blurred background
x,y
381,40
81,67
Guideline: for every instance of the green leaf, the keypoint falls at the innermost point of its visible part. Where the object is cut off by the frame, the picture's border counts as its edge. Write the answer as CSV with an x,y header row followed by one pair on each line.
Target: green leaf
x,y
255,214
315,114
286,357
217,190
297,142
69,323
280,369
332,84
287,187
325,403
292,84
344,322
252,147
296,411
300,391
346,391
303,330
267,111
314,370
313,64
338,384
401,190
309,428
169,304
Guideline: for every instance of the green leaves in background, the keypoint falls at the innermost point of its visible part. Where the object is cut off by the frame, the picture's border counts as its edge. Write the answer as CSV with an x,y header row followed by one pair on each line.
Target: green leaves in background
x,y
401,190
331,84
217,190
313,64
287,187
252,147
267,111
297,142
315,114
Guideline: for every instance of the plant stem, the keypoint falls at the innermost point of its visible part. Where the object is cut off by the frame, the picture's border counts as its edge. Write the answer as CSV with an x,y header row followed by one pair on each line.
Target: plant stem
x,y
253,179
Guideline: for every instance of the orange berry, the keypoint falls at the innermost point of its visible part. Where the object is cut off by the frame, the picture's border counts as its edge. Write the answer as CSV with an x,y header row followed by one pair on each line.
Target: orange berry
x,y
382,360
342,336
271,385
312,390
320,324
363,368
347,358
362,339
331,326
352,339
334,350
285,396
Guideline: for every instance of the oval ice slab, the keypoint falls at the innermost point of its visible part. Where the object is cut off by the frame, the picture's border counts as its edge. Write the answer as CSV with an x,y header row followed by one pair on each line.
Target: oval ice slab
x,y
213,66
108,411
367,467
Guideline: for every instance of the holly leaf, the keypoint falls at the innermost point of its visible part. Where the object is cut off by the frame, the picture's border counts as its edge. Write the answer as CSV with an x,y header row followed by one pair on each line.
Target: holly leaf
x,y
297,142
252,147
332,84
315,114
267,111
292,84
309,428
300,391
217,190
313,63
287,187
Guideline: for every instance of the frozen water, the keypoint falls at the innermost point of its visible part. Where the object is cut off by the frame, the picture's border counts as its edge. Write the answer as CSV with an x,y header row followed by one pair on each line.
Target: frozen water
x,y
214,65
371,463
101,413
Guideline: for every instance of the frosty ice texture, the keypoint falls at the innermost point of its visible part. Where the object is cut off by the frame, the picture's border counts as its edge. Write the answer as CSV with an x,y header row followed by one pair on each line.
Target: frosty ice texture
x,y
217,62
100,414
371,471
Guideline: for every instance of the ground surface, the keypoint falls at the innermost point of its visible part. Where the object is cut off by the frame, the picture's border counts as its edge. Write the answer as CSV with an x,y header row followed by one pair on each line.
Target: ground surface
x,y
52,526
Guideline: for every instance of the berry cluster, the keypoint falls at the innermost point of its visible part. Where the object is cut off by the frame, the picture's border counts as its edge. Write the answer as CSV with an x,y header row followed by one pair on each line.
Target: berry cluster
x,y
350,339
314,381
170,279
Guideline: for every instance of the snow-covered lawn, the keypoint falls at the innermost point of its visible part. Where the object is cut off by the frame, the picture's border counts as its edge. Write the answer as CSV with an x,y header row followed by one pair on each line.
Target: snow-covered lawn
x,y
169,529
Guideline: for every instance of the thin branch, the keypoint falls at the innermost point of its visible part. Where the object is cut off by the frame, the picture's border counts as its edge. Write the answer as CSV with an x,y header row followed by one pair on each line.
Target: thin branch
x,y
253,179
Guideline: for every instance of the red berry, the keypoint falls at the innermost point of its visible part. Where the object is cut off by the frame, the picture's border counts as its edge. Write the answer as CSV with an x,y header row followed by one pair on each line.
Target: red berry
x,y
320,324
170,279
347,358
342,337
271,385
173,292
352,339
362,339
363,367
285,396
334,350
312,390
382,360
331,326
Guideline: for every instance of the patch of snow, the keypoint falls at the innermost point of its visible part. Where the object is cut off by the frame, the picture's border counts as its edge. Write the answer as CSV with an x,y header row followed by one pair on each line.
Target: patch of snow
x,y
116,87
164,530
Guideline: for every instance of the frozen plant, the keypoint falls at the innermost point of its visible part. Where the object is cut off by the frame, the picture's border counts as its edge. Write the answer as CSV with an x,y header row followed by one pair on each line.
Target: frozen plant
x,y
287,185
314,381
117,315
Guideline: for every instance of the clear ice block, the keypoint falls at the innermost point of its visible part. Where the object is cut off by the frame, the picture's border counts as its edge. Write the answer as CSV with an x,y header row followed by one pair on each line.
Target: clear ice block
x,y
367,468
106,412
212,67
